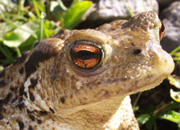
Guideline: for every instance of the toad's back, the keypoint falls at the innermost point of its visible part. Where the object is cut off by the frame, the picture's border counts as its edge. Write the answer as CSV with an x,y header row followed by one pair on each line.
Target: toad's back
x,y
81,79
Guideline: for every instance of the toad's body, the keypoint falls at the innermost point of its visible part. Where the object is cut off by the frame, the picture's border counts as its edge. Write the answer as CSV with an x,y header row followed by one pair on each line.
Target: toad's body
x,y
81,79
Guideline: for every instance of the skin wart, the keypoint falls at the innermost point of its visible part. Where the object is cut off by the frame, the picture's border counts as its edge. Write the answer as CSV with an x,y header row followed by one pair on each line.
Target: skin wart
x,y
82,79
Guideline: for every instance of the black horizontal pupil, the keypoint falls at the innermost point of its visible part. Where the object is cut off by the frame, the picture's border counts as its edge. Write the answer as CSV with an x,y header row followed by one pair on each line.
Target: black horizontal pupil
x,y
86,55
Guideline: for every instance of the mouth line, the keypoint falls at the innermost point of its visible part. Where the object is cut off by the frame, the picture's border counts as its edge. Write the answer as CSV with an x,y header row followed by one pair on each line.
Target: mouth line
x,y
135,87
109,81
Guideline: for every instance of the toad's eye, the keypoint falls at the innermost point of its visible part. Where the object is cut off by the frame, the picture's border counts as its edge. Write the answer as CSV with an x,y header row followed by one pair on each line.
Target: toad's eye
x,y
86,55
161,30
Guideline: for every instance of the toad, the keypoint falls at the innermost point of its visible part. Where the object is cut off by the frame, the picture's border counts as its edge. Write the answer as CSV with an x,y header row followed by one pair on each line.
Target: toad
x,y
82,79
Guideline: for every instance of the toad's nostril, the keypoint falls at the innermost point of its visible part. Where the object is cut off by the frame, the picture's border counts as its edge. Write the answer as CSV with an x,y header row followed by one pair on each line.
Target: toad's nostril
x,y
136,51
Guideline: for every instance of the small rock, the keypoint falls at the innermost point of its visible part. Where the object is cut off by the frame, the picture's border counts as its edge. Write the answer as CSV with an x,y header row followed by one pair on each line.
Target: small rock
x,y
171,20
165,3
113,9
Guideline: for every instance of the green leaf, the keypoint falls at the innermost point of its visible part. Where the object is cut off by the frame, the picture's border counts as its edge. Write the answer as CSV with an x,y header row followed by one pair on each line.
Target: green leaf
x,y
172,116
7,53
175,50
18,36
2,31
1,68
129,11
75,1
74,14
56,9
16,26
31,15
43,15
6,28
35,4
150,124
49,28
13,39
7,5
63,7
28,44
40,6
136,108
142,119
175,95
174,81
50,24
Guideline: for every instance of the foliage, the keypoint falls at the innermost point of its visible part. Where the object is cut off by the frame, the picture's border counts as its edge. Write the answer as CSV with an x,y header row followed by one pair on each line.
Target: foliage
x,y
22,26
163,111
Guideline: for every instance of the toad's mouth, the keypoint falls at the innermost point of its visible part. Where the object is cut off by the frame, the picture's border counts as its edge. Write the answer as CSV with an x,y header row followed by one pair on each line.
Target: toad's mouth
x,y
139,85
109,95
123,87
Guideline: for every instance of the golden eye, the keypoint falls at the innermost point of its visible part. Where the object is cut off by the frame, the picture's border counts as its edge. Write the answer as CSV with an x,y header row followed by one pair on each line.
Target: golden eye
x,y
85,54
161,30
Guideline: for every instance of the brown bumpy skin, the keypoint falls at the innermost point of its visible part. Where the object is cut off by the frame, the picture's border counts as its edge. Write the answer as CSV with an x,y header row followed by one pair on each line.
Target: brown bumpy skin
x,y
48,88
